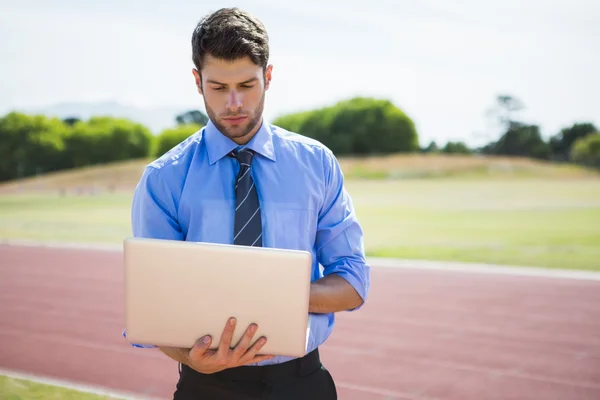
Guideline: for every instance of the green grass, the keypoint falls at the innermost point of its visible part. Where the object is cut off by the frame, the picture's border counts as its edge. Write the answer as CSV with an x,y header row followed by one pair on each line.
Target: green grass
x,y
549,223
103,219
554,224
19,389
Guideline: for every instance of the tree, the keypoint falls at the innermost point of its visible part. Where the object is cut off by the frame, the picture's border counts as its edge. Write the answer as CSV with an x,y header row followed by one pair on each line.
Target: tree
x,y
505,109
170,138
360,125
30,145
521,140
70,121
192,117
517,138
561,144
431,148
456,148
586,150
105,139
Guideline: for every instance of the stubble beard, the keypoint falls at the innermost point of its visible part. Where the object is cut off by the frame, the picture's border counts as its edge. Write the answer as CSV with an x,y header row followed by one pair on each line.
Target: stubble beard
x,y
241,131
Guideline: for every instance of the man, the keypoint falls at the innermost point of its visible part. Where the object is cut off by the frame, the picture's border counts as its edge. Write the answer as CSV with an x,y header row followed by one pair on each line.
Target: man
x,y
244,181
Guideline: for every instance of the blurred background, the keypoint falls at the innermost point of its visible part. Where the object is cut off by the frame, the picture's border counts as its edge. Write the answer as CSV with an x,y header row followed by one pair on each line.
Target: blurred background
x,y
475,122
468,131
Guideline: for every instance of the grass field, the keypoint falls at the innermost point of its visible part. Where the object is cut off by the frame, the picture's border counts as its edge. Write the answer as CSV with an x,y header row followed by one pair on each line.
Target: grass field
x,y
553,223
19,389
529,222
124,175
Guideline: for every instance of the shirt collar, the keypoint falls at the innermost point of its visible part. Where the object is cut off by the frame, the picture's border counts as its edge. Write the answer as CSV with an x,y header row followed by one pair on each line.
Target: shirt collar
x,y
219,145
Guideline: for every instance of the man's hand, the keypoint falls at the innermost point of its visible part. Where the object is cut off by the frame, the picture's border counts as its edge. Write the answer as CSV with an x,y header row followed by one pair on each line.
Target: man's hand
x,y
208,361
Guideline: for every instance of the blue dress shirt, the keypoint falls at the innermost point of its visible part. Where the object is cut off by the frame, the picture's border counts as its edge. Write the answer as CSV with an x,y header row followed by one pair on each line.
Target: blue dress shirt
x,y
188,194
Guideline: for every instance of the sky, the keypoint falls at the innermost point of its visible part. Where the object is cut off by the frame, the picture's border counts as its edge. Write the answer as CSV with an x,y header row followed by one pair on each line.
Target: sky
x,y
442,62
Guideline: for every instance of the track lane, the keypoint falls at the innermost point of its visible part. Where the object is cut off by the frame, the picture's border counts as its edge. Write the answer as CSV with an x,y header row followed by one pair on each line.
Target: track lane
x,y
424,334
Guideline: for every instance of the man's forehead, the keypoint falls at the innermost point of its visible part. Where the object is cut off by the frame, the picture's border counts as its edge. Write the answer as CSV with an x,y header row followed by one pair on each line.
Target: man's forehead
x,y
230,72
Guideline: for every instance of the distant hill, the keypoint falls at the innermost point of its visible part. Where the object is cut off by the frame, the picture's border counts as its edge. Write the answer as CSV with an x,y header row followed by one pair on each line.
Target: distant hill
x,y
123,176
155,118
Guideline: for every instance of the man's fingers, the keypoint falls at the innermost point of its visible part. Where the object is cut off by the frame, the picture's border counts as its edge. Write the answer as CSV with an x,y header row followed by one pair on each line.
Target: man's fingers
x,y
225,344
258,345
244,342
254,350
200,347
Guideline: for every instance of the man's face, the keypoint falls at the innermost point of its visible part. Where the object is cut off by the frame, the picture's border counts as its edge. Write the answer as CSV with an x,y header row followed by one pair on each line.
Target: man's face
x,y
234,95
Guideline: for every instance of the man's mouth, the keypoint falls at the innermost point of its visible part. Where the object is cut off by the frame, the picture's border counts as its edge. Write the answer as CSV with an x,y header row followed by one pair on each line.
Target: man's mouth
x,y
235,120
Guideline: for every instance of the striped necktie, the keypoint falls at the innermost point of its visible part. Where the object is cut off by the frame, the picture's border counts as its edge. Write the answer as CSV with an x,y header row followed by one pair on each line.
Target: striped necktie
x,y
247,227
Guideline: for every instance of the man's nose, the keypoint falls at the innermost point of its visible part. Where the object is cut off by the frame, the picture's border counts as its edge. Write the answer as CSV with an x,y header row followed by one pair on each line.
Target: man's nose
x,y
234,100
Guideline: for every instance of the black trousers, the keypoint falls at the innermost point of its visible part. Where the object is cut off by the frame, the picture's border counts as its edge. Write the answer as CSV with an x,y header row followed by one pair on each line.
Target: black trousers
x,y
300,379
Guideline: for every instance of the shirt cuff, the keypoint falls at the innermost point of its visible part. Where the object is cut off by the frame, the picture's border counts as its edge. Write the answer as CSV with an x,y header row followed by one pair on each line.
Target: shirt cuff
x,y
357,275
141,346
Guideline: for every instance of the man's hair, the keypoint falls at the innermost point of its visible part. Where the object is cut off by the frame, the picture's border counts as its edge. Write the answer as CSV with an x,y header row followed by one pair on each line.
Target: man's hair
x,y
230,34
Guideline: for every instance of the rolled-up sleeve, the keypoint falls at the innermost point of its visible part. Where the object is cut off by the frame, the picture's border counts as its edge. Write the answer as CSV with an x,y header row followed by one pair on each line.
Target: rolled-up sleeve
x,y
339,240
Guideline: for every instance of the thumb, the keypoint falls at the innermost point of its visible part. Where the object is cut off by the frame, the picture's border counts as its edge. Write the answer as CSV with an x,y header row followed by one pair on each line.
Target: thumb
x,y
200,347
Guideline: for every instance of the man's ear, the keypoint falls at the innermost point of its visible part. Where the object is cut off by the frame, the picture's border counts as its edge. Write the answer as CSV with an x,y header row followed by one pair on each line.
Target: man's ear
x,y
268,76
197,79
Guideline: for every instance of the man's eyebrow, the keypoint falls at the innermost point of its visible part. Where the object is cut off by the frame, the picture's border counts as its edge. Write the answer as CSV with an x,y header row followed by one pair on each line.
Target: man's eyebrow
x,y
249,80
224,84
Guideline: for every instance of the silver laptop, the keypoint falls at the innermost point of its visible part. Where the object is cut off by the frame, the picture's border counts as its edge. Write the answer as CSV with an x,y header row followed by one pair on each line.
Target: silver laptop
x,y
177,291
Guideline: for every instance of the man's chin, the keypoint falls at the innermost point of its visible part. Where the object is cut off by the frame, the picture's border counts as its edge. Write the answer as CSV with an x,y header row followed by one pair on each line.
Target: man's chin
x,y
237,133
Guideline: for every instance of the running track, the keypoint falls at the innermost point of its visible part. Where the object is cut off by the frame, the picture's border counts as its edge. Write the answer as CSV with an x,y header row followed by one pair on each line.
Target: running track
x,y
423,335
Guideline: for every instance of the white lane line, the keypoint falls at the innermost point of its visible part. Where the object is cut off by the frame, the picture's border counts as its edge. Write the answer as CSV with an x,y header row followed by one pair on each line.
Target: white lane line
x,y
97,390
61,245
483,268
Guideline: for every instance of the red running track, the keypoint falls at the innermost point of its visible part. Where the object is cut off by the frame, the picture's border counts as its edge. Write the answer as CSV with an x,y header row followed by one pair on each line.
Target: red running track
x,y
423,334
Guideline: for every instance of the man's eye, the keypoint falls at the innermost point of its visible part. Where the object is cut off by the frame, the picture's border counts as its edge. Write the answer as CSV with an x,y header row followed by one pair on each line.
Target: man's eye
x,y
218,88
247,86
